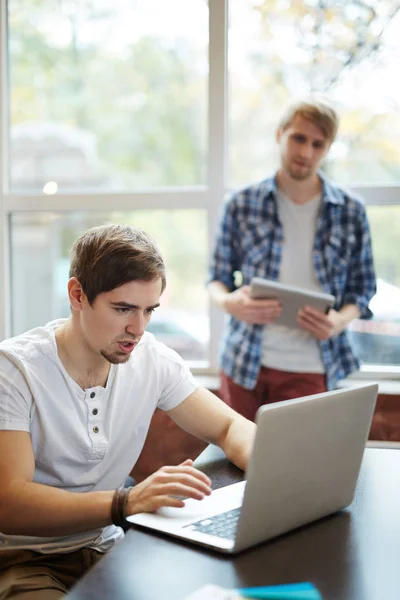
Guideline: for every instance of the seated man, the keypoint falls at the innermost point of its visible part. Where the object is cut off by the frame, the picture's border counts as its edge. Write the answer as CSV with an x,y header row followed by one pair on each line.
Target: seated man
x,y
76,400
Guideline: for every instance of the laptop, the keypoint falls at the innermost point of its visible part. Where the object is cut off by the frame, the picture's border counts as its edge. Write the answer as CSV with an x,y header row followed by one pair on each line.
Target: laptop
x,y
305,465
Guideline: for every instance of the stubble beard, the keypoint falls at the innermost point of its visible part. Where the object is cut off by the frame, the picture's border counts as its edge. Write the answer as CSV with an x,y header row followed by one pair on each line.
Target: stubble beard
x,y
115,358
300,176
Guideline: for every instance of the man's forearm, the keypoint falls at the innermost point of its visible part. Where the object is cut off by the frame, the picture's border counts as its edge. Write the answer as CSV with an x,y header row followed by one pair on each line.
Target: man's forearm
x,y
238,441
348,313
28,508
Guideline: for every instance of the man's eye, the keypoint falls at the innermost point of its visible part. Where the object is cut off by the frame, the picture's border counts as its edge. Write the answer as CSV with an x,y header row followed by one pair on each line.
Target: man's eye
x,y
150,310
122,310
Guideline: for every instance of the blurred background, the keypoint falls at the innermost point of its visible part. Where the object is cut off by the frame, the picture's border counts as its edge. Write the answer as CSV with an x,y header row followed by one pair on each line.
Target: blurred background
x,y
113,97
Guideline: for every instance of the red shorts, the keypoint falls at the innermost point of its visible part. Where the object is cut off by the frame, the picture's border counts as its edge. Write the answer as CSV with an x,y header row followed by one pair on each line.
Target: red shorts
x,y
272,386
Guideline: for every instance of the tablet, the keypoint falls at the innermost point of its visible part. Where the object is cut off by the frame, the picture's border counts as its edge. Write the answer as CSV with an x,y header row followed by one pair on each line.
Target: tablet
x,y
292,299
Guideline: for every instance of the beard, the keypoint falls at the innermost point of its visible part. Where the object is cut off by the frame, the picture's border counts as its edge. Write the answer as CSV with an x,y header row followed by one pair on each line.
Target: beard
x,y
299,174
115,358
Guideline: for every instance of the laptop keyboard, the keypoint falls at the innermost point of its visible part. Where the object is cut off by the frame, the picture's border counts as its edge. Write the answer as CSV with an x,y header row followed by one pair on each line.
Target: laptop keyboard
x,y
223,525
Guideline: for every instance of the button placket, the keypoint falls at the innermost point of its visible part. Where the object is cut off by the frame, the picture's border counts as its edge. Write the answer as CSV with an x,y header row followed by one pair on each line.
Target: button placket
x,y
94,416
95,428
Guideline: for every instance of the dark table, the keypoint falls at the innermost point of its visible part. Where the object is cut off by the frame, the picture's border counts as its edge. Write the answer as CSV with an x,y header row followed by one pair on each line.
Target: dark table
x,y
353,555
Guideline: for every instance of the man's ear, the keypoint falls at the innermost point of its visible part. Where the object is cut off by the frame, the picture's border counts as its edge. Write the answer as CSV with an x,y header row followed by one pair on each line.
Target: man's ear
x,y
278,134
76,294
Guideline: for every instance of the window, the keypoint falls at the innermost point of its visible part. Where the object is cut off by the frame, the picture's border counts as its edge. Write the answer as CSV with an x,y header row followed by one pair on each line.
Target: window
x,y
349,52
109,114
346,50
104,96
107,122
378,341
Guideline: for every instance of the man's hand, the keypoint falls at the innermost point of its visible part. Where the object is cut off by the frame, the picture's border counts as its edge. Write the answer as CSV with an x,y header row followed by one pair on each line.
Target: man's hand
x,y
240,305
321,326
163,487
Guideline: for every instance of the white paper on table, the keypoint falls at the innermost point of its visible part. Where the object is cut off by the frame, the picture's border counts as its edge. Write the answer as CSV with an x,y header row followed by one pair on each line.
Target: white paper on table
x,y
213,592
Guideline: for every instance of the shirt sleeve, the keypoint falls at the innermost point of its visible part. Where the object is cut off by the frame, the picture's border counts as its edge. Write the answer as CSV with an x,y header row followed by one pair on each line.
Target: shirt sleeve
x,y
178,382
15,397
225,258
361,282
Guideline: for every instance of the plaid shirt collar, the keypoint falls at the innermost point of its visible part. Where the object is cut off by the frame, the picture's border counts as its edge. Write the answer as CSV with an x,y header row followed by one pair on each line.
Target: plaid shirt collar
x,y
330,193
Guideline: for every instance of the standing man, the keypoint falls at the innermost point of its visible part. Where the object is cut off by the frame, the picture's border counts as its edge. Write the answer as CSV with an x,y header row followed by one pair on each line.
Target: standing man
x,y
76,400
297,228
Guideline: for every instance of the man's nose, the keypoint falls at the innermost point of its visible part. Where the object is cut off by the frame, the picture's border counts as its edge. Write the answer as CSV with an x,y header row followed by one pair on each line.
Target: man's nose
x,y
136,326
306,150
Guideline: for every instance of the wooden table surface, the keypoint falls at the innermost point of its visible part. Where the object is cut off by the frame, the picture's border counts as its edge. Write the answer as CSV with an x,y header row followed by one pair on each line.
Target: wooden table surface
x,y
353,555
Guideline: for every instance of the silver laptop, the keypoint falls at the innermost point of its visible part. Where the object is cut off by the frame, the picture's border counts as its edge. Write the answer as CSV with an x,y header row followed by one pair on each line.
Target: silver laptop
x,y
304,466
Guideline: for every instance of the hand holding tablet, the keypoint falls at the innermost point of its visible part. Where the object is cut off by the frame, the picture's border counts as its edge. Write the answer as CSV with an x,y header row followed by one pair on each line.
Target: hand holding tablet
x,y
292,299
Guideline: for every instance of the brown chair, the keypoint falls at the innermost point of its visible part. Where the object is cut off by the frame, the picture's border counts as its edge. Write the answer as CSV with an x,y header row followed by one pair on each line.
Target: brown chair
x,y
166,444
386,421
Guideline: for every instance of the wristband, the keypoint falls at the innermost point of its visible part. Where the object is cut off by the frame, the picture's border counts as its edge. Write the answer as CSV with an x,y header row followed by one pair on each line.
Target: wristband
x,y
118,506
125,503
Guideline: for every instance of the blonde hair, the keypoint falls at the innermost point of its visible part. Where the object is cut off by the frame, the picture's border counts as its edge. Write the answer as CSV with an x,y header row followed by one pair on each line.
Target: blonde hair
x,y
317,111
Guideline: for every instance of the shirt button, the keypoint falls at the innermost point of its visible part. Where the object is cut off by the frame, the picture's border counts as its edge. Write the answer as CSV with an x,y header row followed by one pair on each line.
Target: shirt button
x,y
95,411
96,429
92,395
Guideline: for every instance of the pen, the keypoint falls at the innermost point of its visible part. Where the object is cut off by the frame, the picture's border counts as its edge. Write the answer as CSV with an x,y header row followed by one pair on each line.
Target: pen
x,y
290,591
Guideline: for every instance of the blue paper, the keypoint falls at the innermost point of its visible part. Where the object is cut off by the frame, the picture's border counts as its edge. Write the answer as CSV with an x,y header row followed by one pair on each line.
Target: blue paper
x,y
290,591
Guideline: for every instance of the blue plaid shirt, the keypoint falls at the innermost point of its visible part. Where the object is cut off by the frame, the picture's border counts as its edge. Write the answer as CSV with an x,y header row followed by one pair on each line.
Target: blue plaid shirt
x,y
250,241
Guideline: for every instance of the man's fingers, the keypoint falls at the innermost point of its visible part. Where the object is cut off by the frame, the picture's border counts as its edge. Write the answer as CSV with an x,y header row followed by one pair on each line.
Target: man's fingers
x,y
321,332
188,480
262,316
187,470
175,488
160,501
315,318
263,304
315,315
164,490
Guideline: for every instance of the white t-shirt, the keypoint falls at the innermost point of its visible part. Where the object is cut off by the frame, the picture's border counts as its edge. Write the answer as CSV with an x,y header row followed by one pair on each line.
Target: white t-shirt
x,y
84,440
286,348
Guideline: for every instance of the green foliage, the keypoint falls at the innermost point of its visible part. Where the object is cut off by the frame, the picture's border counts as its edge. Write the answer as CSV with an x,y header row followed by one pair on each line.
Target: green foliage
x,y
145,105
343,50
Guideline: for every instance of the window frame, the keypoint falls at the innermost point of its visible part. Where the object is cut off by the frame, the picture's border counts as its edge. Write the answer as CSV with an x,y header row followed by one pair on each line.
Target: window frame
x,y
208,197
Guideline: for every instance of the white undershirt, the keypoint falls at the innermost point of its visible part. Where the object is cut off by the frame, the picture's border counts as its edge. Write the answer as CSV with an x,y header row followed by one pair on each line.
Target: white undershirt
x,y
285,348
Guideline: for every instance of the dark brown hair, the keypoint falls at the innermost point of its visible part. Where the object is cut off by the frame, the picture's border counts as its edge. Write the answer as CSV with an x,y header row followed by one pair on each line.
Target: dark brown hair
x,y
106,257
315,110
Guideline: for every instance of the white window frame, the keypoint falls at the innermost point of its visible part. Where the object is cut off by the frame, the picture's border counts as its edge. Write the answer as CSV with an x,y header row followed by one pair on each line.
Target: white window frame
x,y
208,197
